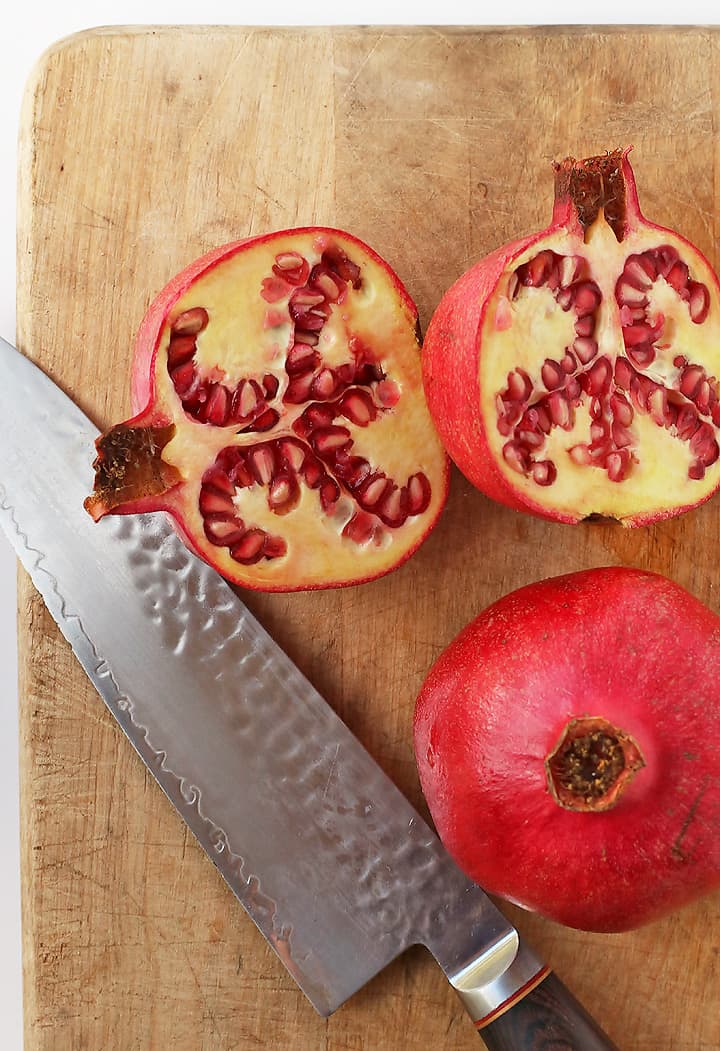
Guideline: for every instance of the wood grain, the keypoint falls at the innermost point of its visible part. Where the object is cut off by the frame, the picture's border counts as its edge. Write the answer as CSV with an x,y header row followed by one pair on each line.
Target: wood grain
x,y
141,149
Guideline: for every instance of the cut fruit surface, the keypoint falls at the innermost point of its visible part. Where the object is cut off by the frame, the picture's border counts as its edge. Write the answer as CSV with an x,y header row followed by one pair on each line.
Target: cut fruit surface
x,y
278,393
575,372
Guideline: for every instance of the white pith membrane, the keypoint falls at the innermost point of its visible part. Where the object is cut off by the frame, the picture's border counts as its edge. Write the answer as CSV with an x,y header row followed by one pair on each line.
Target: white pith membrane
x,y
266,497
579,421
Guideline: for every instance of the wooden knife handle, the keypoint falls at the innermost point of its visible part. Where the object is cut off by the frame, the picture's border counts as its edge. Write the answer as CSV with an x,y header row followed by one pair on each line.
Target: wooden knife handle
x,y
545,1018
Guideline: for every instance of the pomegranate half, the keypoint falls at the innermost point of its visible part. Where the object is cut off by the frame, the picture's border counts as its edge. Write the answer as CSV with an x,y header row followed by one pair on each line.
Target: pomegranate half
x,y
279,415
568,745
575,372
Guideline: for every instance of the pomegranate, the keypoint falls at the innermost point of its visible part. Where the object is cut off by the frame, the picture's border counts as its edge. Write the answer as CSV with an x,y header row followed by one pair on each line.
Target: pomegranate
x,y
567,743
280,416
575,372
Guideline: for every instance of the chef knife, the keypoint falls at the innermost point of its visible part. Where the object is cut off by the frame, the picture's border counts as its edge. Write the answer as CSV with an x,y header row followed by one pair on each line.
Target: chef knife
x,y
330,860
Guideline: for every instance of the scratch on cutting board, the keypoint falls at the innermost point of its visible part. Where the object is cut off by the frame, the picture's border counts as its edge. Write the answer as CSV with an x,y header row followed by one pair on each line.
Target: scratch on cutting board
x,y
361,67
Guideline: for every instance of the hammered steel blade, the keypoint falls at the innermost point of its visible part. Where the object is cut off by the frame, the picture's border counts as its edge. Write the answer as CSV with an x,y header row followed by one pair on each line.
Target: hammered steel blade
x,y
335,867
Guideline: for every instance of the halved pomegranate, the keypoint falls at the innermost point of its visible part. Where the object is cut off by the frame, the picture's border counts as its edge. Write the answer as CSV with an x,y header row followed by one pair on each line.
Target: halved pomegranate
x,y
280,416
575,372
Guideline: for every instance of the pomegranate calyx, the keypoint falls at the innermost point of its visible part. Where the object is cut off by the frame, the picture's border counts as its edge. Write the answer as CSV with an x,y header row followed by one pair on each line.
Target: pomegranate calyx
x,y
129,468
592,765
593,185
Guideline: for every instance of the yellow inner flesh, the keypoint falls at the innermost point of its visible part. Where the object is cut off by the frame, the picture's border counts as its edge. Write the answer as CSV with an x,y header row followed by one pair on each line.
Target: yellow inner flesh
x,y
533,327
250,337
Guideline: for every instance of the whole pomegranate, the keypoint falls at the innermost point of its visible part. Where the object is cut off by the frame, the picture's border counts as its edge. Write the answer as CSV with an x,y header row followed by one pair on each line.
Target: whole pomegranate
x,y
568,745
575,372
280,416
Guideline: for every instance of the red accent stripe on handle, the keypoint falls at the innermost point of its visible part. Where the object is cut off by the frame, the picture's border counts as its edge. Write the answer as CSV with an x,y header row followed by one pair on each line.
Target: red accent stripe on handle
x,y
528,987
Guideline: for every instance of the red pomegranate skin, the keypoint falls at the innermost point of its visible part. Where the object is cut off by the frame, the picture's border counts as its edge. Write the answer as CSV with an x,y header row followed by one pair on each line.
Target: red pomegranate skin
x,y
617,643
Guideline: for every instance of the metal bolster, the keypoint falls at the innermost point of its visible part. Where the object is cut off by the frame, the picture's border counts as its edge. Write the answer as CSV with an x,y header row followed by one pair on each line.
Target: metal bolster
x,y
492,982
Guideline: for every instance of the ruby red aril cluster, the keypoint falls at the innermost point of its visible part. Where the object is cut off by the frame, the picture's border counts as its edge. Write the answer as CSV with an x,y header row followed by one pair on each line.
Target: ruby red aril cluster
x,y
615,391
319,452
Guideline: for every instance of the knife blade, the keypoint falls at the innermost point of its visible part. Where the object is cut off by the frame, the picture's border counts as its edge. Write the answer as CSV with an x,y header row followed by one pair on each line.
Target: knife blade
x,y
333,864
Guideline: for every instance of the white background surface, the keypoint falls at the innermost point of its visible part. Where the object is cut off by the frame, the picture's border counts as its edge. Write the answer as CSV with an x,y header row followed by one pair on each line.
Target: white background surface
x,y
31,28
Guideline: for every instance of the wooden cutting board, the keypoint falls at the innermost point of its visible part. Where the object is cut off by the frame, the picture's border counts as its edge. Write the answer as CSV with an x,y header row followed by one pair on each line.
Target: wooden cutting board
x,y
143,148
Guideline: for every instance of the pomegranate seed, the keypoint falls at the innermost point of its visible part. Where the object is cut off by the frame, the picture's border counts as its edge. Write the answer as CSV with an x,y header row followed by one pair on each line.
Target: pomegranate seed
x,y
538,268
564,298
292,453
637,273
680,362
190,322
329,494
621,409
560,411
519,385
642,355
624,373
419,493
532,439
393,509
569,269
262,463
223,533
264,422
354,472
628,294
637,334
690,381
599,433
709,452
585,326
310,338
328,440
270,385
568,363
249,548
552,374
275,547
184,377
665,258
212,502
586,349
598,377
358,407
657,405
621,436
318,416
180,350
704,398
511,410
703,444
283,491
323,385
687,422
388,393
573,388
217,479
678,275
373,491
274,289
247,399
217,406
241,476
328,286
289,261
586,298
302,300
360,528
597,409
313,472
696,471
544,472
339,263
580,454
698,302
298,389
300,358
716,414
516,456
617,465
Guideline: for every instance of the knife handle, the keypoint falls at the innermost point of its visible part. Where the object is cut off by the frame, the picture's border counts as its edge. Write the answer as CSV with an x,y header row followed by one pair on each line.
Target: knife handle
x,y
543,1015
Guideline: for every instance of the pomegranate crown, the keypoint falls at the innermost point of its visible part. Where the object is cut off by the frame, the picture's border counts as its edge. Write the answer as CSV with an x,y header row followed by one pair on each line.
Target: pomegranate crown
x,y
597,183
